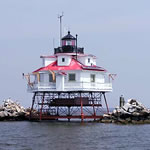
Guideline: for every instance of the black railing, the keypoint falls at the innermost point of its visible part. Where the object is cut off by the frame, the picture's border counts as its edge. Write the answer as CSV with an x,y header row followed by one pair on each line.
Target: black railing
x,y
68,49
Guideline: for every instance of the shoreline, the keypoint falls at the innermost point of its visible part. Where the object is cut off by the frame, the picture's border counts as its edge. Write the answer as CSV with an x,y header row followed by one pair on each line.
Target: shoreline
x,y
133,112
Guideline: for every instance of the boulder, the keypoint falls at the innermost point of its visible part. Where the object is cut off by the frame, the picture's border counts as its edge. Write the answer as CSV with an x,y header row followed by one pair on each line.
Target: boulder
x,y
131,112
2,114
132,107
11,109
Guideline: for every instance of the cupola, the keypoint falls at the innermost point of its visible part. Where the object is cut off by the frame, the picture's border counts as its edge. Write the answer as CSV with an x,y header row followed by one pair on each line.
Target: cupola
x,y
68,40
68,45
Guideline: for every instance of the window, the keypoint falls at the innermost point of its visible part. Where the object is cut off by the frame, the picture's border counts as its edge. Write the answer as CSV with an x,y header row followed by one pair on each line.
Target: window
x,y
63,59
68,42
72,77
92,77
88,60
51,78
41,77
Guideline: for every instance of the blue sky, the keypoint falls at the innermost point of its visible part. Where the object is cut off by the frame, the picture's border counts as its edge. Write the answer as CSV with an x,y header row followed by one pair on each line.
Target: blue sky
x,y
117,32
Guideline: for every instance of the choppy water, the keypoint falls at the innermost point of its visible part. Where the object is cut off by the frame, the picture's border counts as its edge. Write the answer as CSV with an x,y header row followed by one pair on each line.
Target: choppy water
x,y
73,136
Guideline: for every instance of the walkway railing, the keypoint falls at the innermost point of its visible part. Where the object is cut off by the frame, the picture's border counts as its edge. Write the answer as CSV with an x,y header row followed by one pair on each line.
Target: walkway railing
x,y
69,86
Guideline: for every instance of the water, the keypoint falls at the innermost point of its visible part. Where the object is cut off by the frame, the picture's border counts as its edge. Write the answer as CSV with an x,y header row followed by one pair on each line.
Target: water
x,y
73,136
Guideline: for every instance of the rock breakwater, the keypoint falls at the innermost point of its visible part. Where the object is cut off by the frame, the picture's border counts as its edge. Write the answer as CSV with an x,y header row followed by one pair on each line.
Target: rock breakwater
x,y
131,112
11,110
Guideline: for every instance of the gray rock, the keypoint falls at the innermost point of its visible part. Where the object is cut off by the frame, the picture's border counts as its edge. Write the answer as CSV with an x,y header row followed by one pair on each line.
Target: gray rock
x,y
132,112
11,109
146,121
5,113
2,114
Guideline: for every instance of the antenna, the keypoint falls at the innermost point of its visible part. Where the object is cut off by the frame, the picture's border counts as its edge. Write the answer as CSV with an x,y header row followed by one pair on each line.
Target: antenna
x,y
60,21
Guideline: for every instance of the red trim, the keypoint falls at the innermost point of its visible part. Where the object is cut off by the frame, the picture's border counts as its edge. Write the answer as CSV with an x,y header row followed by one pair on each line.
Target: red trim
x,y
74,65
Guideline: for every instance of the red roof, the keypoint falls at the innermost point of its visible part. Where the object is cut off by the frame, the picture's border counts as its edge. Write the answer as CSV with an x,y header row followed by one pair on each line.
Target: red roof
x,y
74,65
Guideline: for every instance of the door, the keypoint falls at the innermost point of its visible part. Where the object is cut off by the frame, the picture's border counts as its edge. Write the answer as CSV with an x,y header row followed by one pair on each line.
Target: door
x,y
60,82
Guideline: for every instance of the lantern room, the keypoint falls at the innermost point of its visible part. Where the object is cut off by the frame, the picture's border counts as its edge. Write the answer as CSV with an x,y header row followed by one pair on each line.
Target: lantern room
x,y
68,40
69,45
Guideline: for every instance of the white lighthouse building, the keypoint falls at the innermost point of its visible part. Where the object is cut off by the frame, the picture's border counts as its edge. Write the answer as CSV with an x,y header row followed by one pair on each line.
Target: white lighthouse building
x,y
69,69
68,78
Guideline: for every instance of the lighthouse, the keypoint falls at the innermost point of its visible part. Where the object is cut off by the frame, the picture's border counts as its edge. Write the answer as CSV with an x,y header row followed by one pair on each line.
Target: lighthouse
x,y
69,84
